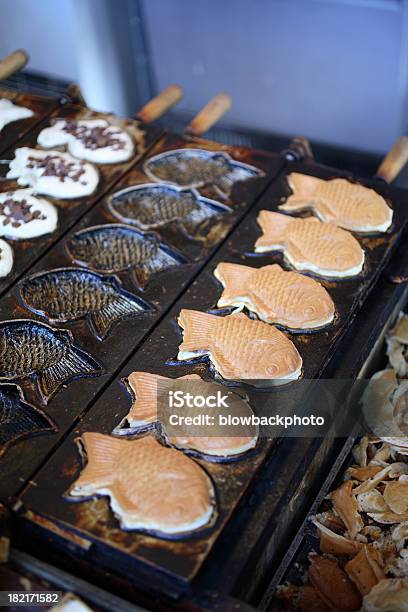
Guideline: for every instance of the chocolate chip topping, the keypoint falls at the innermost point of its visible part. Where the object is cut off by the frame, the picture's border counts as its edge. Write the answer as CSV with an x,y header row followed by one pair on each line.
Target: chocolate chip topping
x,y
17,212
96,137
56,166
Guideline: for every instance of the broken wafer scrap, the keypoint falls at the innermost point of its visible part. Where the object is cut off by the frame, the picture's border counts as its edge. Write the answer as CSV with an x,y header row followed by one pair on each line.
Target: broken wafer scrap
x,y
310,245
145,388
239,348
286,298
338,201
150,487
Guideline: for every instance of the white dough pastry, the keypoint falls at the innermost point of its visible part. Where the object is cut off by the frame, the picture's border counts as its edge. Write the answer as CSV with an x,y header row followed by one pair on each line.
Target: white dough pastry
x,y
94,140
53,173
6,258
23,215
10,112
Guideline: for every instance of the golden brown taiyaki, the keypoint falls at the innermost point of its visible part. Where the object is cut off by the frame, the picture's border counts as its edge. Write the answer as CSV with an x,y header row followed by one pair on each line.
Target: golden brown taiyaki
x,y
151,487
238,347
310,245
340,202
275,295
144,388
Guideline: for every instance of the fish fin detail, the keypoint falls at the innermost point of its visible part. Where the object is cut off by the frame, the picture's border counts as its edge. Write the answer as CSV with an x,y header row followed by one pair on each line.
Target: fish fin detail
x,y
303,185
101,452
163,260
274,227
297,202
234,278
238,172
75,363
25,421
197,330
122,306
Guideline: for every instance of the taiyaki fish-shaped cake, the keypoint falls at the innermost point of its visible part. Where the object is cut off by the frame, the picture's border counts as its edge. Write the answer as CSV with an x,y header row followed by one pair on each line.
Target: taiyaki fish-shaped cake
x,y
310,245
340,202
92,139
144,388
6,258
150,487
239,348
23,215
53,173
275,295
10,112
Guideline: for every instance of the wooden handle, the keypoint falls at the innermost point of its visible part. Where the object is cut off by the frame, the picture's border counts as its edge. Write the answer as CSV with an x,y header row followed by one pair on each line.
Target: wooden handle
x,y
160,104
12,63
394,161
209,115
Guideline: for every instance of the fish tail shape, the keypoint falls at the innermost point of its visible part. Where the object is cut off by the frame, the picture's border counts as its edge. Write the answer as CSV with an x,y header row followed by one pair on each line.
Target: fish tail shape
x,y
101,452
237,173
123,305
202,214
274,227
304,188
144,388
197,330
235,279
163,260
75,363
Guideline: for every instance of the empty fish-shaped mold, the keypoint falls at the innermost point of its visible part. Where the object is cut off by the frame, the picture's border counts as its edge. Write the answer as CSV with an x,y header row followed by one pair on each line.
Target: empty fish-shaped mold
x,y
121,248
198,168
154,205
18,418
69,294
33,350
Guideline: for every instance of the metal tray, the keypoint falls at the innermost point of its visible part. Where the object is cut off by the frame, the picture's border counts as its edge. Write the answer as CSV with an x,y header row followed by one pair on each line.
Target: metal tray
x,y
172,566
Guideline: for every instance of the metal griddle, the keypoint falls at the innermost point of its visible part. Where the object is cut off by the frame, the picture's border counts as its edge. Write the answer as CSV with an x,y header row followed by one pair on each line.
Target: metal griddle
x,y
21,460
264,497
174,566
